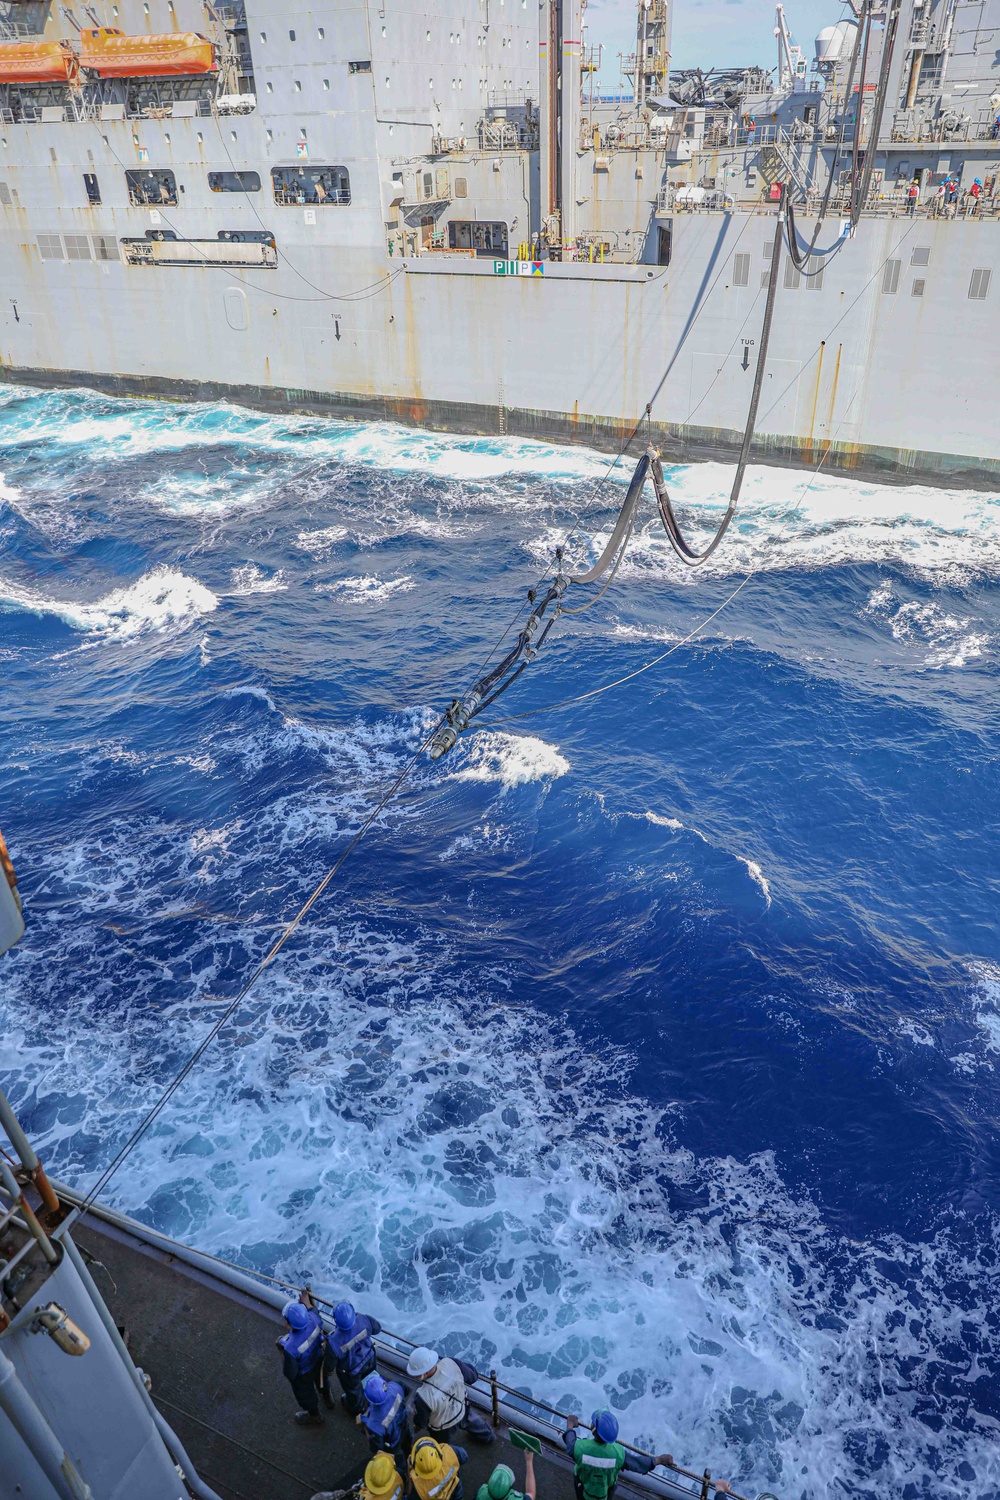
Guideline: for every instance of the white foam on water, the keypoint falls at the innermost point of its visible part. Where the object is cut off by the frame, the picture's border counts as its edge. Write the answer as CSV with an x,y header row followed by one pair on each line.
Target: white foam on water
x,y
954,640
250,579
383,1125
510,759
162,600
211,495
986,1003
369,588
787,520
125,429
382,1121
915,1032
757,876
322,541
673,824
7,491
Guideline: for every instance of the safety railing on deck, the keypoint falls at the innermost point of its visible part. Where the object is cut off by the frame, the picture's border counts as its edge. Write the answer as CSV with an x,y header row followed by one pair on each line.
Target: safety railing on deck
x,y
82,110
890,203
699,1486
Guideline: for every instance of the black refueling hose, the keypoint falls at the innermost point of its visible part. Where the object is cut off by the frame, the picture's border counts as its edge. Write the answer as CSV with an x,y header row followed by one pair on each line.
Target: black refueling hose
x,y
489,687
684,551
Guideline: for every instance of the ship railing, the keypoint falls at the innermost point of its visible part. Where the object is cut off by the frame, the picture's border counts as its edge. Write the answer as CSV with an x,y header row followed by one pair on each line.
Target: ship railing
x,y
20,1234
95,101
16,31
780,135
231,15
489,1394
909,127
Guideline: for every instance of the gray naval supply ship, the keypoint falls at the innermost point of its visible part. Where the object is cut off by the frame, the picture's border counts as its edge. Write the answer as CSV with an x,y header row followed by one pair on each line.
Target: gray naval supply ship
x,y
133,1367
430,213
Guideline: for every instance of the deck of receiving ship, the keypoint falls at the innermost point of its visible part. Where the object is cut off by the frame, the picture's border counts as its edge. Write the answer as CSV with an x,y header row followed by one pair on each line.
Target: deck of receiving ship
x,y
209,1351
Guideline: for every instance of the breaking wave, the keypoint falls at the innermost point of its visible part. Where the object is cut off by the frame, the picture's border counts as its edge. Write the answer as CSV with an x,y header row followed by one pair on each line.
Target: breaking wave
x,y
162,600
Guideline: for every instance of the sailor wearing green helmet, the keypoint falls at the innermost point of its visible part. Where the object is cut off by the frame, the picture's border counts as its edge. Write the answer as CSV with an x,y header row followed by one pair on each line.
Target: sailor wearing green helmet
x,y
500,1485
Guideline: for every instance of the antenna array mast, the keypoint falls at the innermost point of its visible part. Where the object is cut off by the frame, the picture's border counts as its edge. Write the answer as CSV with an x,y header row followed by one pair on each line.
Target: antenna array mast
x,y
649,66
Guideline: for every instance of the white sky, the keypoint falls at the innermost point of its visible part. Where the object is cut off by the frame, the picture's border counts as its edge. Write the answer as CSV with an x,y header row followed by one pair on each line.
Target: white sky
x,y
711,33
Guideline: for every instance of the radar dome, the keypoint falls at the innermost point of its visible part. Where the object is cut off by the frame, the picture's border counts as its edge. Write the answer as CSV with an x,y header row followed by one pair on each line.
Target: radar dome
x,y
833,42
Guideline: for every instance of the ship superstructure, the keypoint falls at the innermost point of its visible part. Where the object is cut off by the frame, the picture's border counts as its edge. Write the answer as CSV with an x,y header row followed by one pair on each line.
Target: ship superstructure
x,y
435,215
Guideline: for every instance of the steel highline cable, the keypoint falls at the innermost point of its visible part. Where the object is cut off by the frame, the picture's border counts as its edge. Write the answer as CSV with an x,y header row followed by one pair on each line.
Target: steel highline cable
x,y
749,577
272,953
458,709
489,688
801,259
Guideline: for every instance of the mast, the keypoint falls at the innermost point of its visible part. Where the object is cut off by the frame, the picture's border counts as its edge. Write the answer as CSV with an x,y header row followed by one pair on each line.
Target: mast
x,y
651,66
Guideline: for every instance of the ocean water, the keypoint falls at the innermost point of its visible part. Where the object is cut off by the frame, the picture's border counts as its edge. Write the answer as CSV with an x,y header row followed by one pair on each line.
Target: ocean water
x,y
647,1048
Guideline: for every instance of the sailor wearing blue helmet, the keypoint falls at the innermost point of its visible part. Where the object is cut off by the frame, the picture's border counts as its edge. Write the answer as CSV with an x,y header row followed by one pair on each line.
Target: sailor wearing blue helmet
x,y
353,1352
386,1420
599,1460
303,1349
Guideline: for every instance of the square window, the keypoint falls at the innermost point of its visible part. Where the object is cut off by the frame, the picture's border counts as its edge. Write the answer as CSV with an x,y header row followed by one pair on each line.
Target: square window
x,y
921,255
77,247
917,289
50,247
105,247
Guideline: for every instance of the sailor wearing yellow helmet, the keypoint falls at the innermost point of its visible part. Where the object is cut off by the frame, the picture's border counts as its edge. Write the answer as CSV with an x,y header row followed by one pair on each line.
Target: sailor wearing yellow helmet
x,y
434,1470
382,1480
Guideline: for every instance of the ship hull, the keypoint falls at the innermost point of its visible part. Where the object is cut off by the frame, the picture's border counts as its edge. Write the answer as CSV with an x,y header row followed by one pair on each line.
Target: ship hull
x,y
679,443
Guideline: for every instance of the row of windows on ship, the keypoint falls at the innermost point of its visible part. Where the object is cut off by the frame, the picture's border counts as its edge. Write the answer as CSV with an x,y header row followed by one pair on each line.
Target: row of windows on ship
x,y
157,186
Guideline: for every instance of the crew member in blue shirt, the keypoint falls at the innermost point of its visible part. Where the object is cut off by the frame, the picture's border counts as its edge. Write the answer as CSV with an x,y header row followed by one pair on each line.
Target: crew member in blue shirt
x,y
304,1350
386,1420
353,1353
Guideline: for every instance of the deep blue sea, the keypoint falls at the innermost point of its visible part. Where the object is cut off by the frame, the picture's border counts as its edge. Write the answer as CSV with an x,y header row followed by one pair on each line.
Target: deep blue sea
x,y
647,1048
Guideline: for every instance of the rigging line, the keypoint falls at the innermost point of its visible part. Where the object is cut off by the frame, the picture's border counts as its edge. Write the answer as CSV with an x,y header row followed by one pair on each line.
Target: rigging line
x,y
333,296
875,126
747,221
703,624
306,1484
802,260
711,384
682,548
647,410
858,123
485,690
579,609
233,272
272,953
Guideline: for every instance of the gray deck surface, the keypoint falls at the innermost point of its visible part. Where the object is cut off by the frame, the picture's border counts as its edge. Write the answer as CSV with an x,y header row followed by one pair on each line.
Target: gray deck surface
x,y
217,1379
